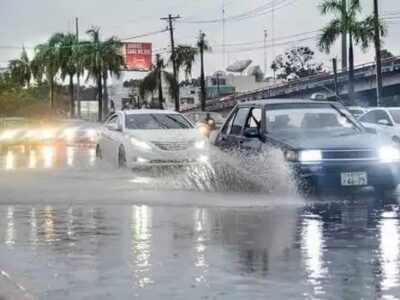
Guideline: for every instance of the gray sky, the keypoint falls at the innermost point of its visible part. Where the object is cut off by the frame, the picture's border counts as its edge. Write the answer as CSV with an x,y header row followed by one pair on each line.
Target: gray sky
x,y
28,22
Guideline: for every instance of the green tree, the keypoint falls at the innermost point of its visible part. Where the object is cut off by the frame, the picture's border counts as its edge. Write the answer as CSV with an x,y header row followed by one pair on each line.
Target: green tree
x,y
68,58
185,56
202,46
385,54
297,62
154,81
47,63
346,20
20,69
100,59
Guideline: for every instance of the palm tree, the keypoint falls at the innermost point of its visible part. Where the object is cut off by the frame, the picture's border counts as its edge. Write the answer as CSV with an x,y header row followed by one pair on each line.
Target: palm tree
x,y
68,63
346,20
47,63
20,69
99,59
113,63
154,81
185,56
203,46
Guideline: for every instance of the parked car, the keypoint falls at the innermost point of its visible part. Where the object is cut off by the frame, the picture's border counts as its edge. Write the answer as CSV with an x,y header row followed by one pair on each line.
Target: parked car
x,y
357,111
144,138
386,120
322,143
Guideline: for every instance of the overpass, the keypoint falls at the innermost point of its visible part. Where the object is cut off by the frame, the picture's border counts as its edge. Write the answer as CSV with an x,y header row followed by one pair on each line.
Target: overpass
x,y
304,88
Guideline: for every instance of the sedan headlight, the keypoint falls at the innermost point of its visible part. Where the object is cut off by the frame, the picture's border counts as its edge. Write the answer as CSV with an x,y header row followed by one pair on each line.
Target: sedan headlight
x,y
140,144
389,154
200,144
8,134
310,155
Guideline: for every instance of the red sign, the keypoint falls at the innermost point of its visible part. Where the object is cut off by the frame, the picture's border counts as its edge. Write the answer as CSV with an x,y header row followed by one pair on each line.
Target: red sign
x,y
138,56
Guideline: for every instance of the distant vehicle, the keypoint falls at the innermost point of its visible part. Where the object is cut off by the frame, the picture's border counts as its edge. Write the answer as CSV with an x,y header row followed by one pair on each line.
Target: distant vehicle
x,y
146,138
323,144
357,111
78,132
207,121
386,120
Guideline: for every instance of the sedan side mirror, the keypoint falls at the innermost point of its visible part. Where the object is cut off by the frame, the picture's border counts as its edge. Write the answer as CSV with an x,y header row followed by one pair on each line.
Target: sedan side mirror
x,y
113,127
251,133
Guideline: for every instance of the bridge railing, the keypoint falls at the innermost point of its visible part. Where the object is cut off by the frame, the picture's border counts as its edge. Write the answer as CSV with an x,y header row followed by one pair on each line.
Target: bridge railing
x,y
297,84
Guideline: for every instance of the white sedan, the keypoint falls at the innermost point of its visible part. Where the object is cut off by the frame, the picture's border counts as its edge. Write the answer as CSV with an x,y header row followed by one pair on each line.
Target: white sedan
x,y
385,120
143,138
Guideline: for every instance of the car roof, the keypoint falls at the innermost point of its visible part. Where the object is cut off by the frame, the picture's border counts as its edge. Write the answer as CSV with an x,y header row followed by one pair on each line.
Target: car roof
x,y
283,101
148,111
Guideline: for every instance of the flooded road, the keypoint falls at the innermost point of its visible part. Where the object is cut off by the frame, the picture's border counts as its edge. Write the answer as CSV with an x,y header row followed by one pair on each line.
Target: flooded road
x,y
73,229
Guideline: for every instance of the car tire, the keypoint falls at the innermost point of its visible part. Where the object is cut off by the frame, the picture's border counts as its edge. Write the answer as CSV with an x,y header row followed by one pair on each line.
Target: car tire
x,y
99,155
121,157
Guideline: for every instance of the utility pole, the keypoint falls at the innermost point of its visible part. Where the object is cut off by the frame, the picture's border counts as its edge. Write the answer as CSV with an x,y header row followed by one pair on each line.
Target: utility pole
x,y
377,42
334,65
223,36
344,38
202,79
78,90
173,58
265,52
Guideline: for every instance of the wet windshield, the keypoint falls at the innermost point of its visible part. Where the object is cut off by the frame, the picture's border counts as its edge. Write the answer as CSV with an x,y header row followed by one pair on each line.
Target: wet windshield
x,y
156,121
396,115
285,118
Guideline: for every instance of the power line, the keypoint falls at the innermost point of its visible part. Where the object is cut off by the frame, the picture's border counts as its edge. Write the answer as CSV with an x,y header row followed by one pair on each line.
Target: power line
x,y
262,10
144,34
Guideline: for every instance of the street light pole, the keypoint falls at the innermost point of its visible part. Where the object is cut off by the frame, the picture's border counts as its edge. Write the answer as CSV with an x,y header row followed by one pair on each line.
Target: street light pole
x,y
265,52
78,90
377,42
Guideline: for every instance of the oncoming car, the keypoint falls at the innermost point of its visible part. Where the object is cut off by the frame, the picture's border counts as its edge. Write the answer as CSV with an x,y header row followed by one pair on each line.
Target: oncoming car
x,y
145,138
323,144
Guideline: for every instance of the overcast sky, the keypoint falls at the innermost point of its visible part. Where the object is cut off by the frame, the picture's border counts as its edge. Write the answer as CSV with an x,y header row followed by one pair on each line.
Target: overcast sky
x,y
28,22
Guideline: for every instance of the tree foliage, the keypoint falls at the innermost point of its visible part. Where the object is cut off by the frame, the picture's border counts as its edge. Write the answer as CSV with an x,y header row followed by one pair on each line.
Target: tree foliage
x,y
297,62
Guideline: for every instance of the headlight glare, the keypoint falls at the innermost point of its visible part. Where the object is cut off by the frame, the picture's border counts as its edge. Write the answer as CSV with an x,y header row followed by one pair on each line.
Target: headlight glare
x,y
291,155
200,144
389,154
140,144
310,156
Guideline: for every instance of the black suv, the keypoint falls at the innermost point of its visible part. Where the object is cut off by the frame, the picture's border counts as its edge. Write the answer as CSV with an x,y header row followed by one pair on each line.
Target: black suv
x,y
321,141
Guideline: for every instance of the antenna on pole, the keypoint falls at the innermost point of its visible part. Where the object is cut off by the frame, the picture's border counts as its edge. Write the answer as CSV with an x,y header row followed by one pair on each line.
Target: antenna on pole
x,y
223,35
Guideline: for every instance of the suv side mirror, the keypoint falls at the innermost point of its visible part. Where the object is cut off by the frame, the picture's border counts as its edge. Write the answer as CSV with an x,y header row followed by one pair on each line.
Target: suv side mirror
x,y
384,122
251,133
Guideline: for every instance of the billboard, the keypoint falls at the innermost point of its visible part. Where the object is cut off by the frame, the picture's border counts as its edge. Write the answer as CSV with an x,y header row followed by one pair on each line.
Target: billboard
x,y
138,56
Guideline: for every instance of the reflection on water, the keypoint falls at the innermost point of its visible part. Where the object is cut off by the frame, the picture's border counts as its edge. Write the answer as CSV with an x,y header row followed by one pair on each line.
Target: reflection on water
x,y
331,252
10,161
312,247
32,159
389,249
70,156
141,226
10,231
48,156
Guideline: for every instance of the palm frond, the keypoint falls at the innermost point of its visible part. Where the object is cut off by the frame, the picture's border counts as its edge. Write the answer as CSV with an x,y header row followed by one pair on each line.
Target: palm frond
x,y
329,35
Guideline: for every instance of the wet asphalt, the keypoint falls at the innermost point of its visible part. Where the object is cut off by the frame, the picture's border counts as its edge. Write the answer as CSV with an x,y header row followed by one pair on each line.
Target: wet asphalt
x,y
74,228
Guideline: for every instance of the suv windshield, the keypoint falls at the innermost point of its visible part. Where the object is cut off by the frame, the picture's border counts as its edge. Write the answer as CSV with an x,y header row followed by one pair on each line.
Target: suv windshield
x,y
289,118
396,115
156,121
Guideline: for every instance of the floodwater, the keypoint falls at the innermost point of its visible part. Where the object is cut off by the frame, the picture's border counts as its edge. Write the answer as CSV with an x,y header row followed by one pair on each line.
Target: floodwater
x,y
71,228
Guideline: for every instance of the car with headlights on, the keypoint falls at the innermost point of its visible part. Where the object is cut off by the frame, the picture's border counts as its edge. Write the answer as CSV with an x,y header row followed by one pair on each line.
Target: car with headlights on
x,y
206,121
76,132
321,142
147,138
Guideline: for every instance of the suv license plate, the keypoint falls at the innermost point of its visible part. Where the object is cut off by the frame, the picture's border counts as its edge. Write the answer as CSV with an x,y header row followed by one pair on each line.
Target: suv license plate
x,y
354,179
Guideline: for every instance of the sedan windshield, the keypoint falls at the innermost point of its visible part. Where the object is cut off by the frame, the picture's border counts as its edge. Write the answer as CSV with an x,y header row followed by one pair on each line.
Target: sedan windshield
x,y
313,118
396,115
156,121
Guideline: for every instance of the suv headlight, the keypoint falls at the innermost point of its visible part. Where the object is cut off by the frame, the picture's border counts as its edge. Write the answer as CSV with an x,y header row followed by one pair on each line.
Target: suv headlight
x,y
310,156
389,154
140,144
